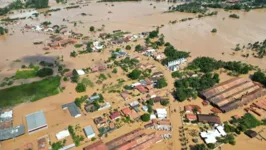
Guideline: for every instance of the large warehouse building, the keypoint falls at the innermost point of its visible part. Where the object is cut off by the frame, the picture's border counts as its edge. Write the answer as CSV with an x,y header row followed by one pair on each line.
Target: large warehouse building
x,y
36,121
233,93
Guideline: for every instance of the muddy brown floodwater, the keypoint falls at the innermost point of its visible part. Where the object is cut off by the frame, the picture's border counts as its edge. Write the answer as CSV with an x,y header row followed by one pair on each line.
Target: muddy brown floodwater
x,y
194,36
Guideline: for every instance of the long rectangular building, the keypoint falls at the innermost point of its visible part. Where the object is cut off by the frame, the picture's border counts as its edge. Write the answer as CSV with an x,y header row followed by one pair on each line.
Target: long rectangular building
x,y
124,138
233,93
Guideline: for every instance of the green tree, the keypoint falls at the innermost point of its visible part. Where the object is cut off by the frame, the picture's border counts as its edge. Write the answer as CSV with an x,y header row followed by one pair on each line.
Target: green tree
x,y
80,88
164,102
259,77
211,146
145,117
41,3
153,34
150,110
138,48
73,54
3,30
114,70
44,72
89,49
75,76
161,83
128,47
200,147
135,74
92,28
214,30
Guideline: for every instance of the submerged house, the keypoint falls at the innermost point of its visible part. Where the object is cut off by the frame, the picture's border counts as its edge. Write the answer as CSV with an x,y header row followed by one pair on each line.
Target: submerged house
x,y
175,65
73,109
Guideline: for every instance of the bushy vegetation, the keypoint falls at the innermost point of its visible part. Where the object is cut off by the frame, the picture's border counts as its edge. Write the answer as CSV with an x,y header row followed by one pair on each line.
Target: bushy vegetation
x,y
12,6
214,30
80,88
114,70
161,83
92,28
248,121
193,7
172,54
259,47
189,87
153,34
207,64
145,117
134,74
3,30
29,92
138,48
177,74
260,77
58,145
234,16
128,47
127,63
87,82
199,147
44,72
79,100
75,76
76,138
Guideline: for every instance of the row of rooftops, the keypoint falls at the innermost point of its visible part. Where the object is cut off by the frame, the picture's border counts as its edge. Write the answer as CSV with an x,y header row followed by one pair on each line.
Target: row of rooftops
x,y
134,140
233,93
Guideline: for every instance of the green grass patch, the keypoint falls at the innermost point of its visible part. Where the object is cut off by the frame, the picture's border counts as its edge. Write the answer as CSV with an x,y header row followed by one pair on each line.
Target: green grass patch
x,y
78,45
25,74
29,92
87,82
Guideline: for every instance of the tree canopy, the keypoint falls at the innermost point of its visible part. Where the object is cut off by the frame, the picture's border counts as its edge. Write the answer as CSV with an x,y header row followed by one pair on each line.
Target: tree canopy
x,y
145,117
189,87
134,74
45,72
161,83
172,54
80,87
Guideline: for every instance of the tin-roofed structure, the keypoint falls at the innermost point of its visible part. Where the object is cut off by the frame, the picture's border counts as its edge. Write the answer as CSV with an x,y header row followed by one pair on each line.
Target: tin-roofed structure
x,y
73,109
36,121
12,132
96,146
89,132
233,93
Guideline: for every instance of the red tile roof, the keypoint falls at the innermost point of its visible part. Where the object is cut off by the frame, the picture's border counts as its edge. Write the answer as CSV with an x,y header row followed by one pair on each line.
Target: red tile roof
x,y
126,111
191,117
96,146
141,89
114,115
192,107
94,69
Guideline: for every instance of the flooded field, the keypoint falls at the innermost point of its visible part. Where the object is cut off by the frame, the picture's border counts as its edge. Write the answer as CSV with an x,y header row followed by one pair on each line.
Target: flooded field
x,y
194,36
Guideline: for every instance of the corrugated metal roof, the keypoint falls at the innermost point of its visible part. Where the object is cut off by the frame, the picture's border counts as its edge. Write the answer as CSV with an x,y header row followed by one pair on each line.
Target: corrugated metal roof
x,y
88,130
10,133
73,109
36,120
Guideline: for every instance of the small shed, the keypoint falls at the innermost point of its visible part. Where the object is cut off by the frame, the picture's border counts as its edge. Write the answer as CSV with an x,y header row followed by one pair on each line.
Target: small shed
x,y
251,133
89,132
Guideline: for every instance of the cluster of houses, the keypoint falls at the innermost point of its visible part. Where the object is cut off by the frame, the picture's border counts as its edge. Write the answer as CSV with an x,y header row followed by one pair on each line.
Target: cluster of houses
x,y
7,131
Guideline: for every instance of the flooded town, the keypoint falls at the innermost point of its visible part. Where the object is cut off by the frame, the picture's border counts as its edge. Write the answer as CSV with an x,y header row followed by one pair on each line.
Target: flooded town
x,y
132,75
